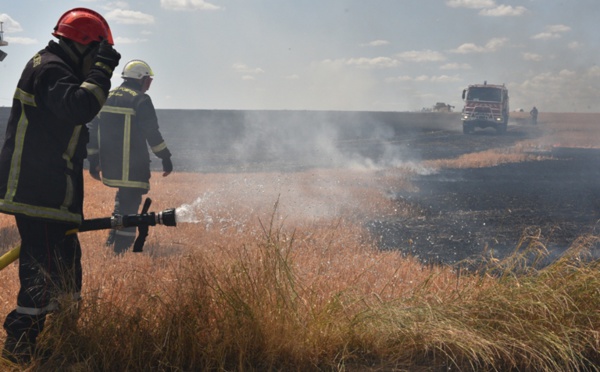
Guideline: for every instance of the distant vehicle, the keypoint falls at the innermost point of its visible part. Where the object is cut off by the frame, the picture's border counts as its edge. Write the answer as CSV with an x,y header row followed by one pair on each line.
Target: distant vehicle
x,y
486,105
442,107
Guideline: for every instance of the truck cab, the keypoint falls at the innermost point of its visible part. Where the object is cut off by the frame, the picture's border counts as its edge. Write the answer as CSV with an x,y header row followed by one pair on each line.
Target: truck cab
x,y
486,105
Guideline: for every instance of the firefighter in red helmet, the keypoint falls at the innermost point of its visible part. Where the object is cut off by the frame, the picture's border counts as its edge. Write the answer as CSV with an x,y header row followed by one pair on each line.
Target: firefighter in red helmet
x,y
61,89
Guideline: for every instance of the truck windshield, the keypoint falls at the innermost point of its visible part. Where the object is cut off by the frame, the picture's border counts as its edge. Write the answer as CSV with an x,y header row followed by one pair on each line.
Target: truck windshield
x,y
484,94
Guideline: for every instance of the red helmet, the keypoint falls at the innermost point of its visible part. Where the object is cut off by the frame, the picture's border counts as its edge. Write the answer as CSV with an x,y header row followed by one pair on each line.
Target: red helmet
x,y
83,26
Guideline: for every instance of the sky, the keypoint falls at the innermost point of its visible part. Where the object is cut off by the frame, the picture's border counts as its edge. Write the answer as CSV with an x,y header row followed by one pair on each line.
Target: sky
x,y
357,55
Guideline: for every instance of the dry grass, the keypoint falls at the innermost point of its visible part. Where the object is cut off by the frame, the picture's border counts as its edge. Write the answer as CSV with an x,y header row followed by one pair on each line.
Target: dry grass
x,y
489,158
277,273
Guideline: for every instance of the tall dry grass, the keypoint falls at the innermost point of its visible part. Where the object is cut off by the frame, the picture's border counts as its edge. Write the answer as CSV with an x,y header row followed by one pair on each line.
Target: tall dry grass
x,y
278,273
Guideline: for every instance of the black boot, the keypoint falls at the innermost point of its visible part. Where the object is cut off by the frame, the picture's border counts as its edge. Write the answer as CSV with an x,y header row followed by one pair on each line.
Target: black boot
x,y
21,334
19,352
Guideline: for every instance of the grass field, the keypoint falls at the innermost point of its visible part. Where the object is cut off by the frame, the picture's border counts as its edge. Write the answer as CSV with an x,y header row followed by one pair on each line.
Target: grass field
x,y
276,272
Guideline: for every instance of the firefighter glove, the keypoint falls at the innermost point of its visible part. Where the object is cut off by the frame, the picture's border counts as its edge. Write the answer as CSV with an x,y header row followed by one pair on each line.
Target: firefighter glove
x,y
167,166
107,57
94,166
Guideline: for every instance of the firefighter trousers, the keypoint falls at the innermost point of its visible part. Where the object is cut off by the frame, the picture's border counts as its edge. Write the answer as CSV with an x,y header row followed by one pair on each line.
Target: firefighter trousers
x,y
127,201
49,271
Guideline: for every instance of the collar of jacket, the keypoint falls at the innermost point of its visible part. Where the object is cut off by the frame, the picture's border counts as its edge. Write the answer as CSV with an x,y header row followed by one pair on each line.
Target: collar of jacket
x,y
64,52
132,84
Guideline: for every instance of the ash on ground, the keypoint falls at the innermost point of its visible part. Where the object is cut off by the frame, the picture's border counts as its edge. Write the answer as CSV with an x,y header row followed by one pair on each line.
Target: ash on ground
x,y
467,213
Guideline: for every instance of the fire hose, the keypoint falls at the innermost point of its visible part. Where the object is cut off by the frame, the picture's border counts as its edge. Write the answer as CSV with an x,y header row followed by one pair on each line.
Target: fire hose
x,y
142,221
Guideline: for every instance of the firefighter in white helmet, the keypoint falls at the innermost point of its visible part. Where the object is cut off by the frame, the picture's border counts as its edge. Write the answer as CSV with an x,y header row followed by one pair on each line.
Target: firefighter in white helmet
x,y
118,148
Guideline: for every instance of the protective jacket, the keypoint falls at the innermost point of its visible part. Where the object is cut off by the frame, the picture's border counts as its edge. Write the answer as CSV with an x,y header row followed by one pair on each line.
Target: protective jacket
x,y
121,134
41,162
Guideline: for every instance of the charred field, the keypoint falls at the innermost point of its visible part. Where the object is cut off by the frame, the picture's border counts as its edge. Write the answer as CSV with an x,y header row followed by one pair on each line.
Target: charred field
x,y
468,196
449,197
464,213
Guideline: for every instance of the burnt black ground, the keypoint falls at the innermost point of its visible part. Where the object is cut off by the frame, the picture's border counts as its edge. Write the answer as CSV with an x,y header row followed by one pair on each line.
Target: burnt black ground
x,y
466,211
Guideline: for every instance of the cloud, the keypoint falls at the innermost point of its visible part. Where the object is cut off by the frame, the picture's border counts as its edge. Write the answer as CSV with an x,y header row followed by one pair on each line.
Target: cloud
x,y
399,79
488,8
129,17
504,11
532,57
115,4
376,43
242,68
471,4
119,40
491,46
594,71
187,5
548,89
377,62
552,32
364,62
545,36
423,78
468,48
10,25
558,28
20,40
421,56
455,66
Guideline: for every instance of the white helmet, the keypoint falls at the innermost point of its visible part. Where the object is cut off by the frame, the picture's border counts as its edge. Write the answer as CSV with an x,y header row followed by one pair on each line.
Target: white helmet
x,y
136,69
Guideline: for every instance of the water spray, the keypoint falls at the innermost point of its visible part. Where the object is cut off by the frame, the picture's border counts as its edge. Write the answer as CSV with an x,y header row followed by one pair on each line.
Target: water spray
x,y
142,221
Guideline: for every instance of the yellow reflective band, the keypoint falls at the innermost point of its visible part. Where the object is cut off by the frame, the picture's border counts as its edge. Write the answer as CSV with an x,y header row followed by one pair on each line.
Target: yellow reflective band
x,y
33,311
40,212
15,162
118,110
104,66
68,156
52,306
95,90
68,201
126,147
159,147
126,183
24,97
92,151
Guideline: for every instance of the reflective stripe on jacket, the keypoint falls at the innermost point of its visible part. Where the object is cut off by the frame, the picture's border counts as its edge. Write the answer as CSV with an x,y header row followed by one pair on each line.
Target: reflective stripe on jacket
x,y
122,133
41,161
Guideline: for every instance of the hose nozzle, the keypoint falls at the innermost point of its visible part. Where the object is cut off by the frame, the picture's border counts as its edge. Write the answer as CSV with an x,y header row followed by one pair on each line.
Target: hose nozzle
x,y
117,221
166,217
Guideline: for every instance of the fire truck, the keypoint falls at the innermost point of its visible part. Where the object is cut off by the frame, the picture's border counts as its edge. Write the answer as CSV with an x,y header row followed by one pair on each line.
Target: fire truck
x,y
486,106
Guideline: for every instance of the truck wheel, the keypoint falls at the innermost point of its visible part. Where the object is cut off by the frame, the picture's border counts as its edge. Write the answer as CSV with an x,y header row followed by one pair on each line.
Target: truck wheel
x,y
501,128
467,128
